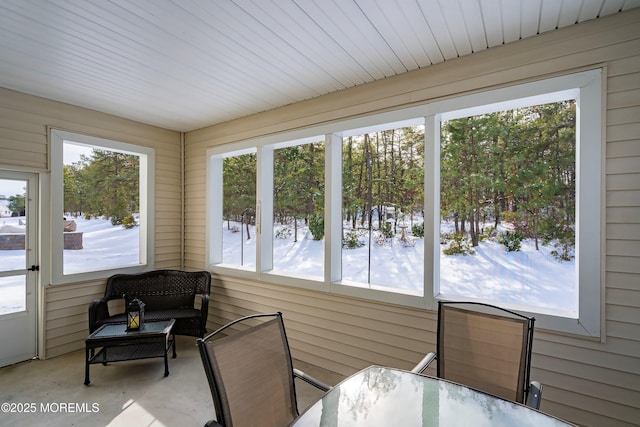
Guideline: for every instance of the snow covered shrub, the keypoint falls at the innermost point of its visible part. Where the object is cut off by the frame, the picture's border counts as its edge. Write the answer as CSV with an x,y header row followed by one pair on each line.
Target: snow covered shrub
x,y
512,240
284,233
129,222
316,226
117,219
488,233
459,245
445,238
380,239
386,230
351,240
565,246
561,236
418,230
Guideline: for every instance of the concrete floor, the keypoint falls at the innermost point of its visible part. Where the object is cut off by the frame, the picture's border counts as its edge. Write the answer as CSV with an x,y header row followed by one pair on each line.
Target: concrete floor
x,y
135,393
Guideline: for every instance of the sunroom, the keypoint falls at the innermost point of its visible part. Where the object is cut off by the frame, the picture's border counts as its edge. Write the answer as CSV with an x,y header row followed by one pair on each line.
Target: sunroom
x,y
190,91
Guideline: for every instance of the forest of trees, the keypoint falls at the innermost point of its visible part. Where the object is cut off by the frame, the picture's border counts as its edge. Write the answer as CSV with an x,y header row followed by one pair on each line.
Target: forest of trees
x,y
298,186
103,184
380,170
383,170
515,167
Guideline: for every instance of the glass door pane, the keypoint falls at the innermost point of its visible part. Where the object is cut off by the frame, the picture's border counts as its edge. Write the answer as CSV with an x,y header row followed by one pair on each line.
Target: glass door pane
x,y
13,297
13,252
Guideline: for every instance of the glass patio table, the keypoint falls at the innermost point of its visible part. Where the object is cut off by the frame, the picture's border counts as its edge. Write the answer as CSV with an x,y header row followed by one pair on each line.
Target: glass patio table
x,y
379,396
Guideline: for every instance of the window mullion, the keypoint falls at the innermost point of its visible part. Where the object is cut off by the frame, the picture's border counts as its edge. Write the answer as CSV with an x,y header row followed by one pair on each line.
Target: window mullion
x,y
333,208
215,194
264,214
431,209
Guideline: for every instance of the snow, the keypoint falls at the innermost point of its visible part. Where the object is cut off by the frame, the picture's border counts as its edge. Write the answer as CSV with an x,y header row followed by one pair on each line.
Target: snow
x,y
104,246
528,277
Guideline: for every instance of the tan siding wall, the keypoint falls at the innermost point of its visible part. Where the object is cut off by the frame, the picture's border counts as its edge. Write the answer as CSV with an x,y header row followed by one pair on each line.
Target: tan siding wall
x,y
590,383
23,146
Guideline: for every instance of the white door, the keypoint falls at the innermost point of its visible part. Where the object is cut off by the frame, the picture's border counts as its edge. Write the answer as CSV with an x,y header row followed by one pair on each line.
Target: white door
x,y
18,266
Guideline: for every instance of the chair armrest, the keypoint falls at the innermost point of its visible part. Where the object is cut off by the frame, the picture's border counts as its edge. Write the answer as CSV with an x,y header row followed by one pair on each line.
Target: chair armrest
x,y
98,310
309,379
424,363
534,396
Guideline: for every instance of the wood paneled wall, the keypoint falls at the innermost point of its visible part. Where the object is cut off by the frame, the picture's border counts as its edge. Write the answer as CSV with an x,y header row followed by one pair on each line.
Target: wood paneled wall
x,y
24,147
589,383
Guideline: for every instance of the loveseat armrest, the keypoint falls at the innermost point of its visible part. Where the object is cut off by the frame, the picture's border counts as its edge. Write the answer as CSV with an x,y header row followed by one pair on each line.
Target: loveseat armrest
x,y
98,311
204,314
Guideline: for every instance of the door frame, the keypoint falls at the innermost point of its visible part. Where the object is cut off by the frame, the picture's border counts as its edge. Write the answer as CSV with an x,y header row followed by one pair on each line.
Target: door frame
x,y
33,254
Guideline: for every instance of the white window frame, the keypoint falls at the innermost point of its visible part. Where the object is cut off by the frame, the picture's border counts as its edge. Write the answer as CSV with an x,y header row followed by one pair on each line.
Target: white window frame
x,y
585,87
265,147
147,202
266,179
214,203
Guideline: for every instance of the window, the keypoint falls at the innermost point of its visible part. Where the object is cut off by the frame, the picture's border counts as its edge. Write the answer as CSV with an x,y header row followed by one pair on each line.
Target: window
x,y
516,220
432,202
507,207
382,209
298,210
101,206
238,234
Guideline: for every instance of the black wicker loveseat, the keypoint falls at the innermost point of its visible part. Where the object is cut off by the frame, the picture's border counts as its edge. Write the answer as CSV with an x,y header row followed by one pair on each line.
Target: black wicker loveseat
x,y
167,294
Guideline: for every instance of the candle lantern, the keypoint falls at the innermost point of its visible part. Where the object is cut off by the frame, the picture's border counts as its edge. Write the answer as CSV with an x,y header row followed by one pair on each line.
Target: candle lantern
x,y
135,315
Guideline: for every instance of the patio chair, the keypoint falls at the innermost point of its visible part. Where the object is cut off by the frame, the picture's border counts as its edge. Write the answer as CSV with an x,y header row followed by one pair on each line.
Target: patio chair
x,y
251,375
487,348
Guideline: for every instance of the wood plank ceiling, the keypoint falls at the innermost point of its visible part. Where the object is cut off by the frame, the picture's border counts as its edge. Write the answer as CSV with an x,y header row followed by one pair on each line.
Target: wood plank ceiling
x,y
186,64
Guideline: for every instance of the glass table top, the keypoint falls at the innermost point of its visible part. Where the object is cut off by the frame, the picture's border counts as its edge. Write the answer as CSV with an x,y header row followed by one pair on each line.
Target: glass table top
x,y
120,329
379,396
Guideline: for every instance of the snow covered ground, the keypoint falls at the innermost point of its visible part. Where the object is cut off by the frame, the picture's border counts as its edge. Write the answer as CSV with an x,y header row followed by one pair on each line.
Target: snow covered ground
x,y
104,246
528,277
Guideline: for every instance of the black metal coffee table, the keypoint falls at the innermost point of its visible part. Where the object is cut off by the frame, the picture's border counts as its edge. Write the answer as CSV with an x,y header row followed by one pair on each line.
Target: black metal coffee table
x,y
116,344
